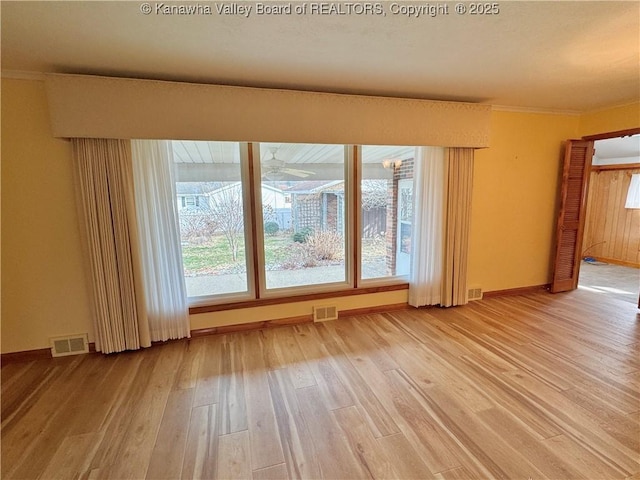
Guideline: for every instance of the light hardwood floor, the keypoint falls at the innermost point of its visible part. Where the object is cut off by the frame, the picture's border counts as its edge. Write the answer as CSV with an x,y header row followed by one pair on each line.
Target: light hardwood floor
x,y
533,386
617,281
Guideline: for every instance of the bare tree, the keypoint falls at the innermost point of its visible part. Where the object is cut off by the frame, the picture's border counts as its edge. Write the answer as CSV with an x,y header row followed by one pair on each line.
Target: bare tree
x,y
226,208
374,193
199,224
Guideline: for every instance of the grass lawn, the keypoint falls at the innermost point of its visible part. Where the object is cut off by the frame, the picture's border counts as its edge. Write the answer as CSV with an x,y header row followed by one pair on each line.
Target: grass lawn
x,y
215,255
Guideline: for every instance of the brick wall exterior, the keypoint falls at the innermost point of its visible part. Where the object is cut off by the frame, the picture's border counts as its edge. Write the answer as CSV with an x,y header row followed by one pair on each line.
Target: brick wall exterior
x,y
319,211
401,173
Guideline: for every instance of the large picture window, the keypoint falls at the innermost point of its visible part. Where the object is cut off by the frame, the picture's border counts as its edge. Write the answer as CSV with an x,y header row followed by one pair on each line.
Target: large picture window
x,y
386,206
212,213
269,219
302,209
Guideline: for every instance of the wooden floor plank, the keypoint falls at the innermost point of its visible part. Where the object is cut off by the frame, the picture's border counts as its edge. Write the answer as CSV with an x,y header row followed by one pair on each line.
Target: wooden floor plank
x,y
124,408
363,446
72,457
201,451
425,367
624,428
232,404
299,451
459,473
589,463
427,434
361,343
527,386
330,443
266,450
32,381
404,458
573,421
140,435
272,358
234,457
516,435
48,422
187,376
379,419
333,390
486,449
293,358
11,374
275,472
116,375
168,452
493,384
209,372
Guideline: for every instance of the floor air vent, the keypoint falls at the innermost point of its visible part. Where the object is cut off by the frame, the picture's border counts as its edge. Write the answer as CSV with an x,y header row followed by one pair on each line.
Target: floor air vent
x,y
474,293
70,345
322,314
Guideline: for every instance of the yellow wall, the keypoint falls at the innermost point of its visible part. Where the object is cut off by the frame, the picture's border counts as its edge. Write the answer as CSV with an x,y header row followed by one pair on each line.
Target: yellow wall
x,y
43,286
44,292
514,199
610,120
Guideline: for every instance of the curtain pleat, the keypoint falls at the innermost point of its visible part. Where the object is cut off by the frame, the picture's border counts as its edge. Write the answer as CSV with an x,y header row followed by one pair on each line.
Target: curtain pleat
x,y
425,279
103,170
159,231
459,185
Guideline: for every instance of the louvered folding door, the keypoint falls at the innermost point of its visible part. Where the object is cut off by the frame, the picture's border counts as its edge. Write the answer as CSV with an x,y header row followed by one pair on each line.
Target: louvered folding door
x,y
570,226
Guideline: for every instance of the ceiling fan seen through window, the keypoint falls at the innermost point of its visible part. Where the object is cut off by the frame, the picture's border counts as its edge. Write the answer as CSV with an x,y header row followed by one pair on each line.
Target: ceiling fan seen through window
x,y
276,169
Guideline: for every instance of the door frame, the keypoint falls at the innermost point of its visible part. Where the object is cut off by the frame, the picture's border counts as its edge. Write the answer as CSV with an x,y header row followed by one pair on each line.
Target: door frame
x,y
403,258
583,201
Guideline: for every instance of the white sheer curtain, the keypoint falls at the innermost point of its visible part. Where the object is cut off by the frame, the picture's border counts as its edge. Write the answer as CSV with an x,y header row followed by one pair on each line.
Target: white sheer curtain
x,y
159,234
425,279
103,174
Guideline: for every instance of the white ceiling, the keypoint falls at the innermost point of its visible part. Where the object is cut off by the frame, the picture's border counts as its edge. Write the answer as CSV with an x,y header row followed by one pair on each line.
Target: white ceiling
x,y
560,55
617,150
200,152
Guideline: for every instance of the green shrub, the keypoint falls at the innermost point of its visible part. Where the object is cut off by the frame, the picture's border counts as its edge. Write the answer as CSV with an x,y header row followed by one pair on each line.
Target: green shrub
x,y
303,235
271,228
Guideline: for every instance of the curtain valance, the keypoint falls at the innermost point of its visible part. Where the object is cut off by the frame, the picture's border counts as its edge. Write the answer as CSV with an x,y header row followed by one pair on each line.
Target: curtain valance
x,y
84,106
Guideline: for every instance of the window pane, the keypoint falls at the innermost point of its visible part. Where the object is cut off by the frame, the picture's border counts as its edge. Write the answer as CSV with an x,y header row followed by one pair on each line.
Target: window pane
x,y
303,210
387,203
211,212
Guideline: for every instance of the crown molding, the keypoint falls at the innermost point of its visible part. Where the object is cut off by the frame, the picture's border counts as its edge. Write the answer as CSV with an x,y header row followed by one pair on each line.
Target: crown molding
x,y
611,107
22,75
508,108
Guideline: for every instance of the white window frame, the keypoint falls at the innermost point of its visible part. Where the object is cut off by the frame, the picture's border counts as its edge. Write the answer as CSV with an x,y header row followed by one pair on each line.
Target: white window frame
x,y
377,281
250,293
302,289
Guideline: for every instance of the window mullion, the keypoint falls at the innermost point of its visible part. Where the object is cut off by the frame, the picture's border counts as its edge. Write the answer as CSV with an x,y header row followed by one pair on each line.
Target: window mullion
x,y
354,213
253,191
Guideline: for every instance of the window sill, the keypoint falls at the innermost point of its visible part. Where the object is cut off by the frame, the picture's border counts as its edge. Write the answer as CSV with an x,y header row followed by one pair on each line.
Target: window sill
x,y
260,302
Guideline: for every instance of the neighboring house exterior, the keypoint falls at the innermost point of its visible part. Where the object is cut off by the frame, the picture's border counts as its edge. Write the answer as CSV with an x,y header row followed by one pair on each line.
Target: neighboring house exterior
x,y
201,197
191,196
279,206
317,205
